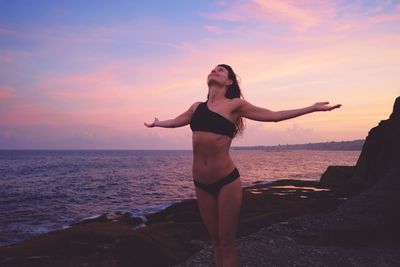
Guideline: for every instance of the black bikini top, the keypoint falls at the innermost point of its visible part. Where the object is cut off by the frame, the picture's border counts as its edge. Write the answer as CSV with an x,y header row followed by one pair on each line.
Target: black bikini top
x,y
206,120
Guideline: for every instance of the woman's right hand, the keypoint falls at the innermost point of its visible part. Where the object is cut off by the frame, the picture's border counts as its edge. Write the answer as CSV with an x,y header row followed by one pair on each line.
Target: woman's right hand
x,y
153,124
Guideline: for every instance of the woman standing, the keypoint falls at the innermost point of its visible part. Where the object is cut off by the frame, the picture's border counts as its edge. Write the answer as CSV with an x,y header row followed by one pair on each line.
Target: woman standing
x,y
214,124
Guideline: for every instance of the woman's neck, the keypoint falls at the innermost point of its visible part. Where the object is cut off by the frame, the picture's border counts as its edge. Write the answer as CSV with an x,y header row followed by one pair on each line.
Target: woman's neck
x,y
216,93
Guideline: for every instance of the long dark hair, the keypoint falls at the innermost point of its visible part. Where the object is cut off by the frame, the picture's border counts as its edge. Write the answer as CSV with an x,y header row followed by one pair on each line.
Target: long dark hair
x,y
234,92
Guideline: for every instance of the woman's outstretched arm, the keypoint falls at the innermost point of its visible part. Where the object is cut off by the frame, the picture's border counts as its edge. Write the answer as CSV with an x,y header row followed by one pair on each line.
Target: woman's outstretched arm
x,y
252,112
181,120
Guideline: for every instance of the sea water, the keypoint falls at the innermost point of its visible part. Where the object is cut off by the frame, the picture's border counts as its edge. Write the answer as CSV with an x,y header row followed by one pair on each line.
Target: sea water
x,y
45,190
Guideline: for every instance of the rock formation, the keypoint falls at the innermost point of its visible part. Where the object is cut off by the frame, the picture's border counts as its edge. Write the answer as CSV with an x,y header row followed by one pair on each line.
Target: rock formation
x,y
381,151
380,155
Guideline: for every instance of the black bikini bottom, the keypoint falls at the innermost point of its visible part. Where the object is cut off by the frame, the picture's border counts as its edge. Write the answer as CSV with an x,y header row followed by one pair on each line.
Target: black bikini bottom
x,y
214,188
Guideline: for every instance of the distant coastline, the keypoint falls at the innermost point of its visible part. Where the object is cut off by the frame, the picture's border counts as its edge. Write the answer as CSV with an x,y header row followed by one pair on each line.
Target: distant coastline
x,y
354,145
342,145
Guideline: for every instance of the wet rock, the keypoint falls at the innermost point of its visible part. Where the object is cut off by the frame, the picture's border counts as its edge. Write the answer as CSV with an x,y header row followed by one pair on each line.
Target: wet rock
x,y
185,211
337,176
171,236
101,218
127,218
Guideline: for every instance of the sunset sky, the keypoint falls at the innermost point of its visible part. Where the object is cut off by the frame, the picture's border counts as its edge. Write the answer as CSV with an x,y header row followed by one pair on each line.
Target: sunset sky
x,y
87,74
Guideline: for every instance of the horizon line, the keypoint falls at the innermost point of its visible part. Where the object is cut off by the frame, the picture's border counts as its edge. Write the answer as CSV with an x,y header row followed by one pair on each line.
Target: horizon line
x,y
159,149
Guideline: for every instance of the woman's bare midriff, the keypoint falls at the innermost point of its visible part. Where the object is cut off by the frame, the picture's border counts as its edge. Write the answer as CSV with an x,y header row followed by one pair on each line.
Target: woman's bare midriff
x,y
211,159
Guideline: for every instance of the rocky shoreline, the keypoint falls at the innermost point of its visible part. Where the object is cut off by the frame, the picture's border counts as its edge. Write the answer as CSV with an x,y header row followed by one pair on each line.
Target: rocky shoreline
x,y
348,218
363,231
170,236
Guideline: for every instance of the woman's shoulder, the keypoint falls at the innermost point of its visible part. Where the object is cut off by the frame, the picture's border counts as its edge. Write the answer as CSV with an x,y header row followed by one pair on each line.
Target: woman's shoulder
x,y
237,103
194,106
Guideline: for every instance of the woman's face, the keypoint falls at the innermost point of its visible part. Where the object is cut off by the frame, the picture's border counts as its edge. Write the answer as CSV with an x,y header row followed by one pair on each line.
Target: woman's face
x,y
218,76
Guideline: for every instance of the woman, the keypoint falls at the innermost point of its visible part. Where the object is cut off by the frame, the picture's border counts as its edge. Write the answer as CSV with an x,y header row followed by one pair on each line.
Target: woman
x,y
214,124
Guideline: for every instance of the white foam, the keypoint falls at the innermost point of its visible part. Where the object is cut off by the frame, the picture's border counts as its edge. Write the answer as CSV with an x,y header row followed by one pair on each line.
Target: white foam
x,y
92,217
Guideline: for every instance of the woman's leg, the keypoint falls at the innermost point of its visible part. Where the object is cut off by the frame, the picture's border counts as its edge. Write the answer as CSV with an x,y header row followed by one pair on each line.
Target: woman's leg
x,y
229,203
209,213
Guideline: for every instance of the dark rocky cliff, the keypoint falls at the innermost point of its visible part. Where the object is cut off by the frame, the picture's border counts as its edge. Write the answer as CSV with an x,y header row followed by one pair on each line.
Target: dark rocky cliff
x,y
380,155
381,151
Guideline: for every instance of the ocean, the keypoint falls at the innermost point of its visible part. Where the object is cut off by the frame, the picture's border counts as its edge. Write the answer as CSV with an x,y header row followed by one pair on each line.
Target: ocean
x,y
46,190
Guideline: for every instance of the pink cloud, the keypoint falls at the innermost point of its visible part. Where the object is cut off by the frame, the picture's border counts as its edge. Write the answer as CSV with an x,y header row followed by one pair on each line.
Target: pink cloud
x,y
299,15
8,57
23,113
6,92
269,134
384,18
302,15
104,97
306,15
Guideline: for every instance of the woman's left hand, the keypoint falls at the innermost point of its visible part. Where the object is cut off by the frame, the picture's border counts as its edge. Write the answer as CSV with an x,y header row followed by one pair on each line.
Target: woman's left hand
x,y
323,106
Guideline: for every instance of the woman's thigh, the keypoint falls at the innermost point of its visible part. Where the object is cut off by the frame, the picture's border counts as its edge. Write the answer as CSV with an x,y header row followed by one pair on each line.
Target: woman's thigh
x,y
229,204
208,207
